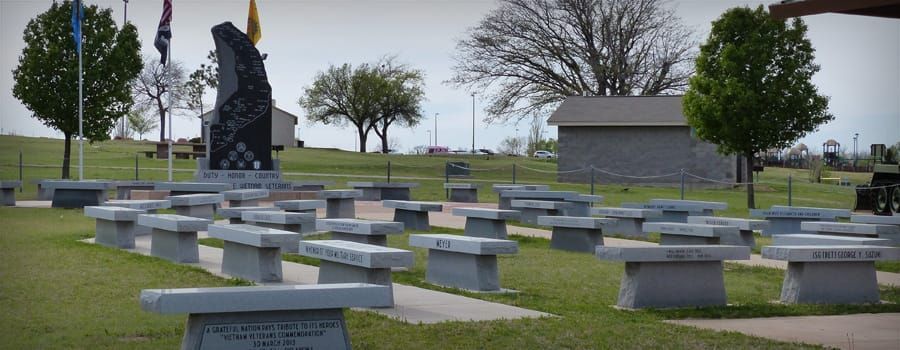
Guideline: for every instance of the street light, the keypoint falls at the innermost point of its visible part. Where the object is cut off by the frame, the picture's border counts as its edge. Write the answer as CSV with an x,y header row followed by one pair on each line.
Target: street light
x,y
435,129
473,123
429,136
855,154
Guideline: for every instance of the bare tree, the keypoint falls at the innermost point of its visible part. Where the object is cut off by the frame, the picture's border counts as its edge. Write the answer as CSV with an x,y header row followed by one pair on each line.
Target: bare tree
x,y
512,146
534,53
535,133
151,90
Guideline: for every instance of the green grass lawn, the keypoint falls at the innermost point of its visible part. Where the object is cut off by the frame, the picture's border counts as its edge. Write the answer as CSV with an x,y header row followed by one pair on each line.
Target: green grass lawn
x,y
57,292
116,160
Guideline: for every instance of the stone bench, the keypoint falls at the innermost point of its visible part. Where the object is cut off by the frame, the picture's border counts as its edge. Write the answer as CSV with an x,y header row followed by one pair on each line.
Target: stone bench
x,y
115,225
532,209
413,215
463,262
302,223
340,203
376,191
786,220
345,262
581,204
676,233
146,206
233,214
672,276
124,188
497,188
148,194
674,210
289,315
507,196
629,221
463,193
830,274
300,205
312,185
575,233
77,194
200,205
183,188
174,237
360,231
889,232
746,227
253,252
8,192
808,239
245,197
876,219
486,223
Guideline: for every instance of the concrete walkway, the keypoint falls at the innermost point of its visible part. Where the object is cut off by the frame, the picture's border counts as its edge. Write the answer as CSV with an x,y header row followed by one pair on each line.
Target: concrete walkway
x,y
412,304
859,331
374,210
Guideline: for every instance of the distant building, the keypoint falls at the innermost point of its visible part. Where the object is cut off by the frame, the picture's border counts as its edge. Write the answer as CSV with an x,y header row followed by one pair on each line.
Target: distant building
x,y
283,126
638,136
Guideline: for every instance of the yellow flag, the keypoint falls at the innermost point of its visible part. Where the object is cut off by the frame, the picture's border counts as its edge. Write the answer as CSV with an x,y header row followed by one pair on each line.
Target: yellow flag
x,y
254,32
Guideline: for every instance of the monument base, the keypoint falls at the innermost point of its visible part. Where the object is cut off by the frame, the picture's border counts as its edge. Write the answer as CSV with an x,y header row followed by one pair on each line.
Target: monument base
x,y
243,179
308,329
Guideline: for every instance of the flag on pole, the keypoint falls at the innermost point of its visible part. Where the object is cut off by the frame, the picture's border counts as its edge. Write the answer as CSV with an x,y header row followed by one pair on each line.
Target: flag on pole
x,y
254,32
77,15
164,32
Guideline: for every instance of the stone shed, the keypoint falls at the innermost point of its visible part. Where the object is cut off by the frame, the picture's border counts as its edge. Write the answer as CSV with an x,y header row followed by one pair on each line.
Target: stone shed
x,y
636,136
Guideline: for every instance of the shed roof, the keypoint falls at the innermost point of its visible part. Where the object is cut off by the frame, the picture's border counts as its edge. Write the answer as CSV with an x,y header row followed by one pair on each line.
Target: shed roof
x,y
619,111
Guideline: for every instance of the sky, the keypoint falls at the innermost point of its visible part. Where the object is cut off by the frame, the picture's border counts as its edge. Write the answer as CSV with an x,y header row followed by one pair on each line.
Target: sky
x,y
859,58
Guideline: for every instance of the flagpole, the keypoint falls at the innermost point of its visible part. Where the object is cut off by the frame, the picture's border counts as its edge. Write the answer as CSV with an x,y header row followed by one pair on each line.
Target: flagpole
x,y
168,71
80,106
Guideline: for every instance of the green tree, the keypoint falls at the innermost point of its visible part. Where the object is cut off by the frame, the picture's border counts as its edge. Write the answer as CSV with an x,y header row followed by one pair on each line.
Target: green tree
x,y
369,96
140,123
46,79
752,90
205,77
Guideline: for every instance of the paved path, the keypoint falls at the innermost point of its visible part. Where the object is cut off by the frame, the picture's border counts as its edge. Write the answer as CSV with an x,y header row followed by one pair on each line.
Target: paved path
x,y
859,331
374,210
412,304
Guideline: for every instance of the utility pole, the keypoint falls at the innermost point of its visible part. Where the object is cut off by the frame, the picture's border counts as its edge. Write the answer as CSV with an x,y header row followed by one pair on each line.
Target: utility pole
x,y
855,154
435,129
125,118
473,123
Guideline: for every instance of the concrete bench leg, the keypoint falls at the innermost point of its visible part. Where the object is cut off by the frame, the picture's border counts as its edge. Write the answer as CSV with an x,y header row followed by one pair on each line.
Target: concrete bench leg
x,y
366,239
371,194
180,247
244,203
9,197
397,194
464,195
69,198
486,228
672,284
144,230
45,194
629,227
504,203
745,238
251,263
333,272
340,208
412,220
329,327
530,215
665,239
118,234
205,211
578,209
576,239
235,221
851,282
465,271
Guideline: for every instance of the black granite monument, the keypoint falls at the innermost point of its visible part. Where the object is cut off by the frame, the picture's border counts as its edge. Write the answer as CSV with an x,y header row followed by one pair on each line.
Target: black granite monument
x,y
241,126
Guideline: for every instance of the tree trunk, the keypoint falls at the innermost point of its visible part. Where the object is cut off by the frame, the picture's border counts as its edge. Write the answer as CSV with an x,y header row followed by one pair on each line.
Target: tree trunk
x,y
67,151
751,202
362,139
384,140
162,119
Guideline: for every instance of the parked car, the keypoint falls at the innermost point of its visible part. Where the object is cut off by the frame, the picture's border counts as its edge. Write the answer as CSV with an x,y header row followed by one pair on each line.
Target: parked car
x,y
544,154
485,151
437,149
